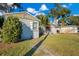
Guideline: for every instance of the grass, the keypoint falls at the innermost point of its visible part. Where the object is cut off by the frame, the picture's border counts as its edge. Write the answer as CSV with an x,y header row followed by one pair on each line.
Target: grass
x,y
60,44
18,49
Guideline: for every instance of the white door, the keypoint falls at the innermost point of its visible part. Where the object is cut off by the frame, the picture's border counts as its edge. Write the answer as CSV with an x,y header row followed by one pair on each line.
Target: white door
x,y
35,29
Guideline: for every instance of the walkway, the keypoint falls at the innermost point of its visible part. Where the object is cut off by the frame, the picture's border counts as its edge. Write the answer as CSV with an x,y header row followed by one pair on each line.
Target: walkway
x,y
35,47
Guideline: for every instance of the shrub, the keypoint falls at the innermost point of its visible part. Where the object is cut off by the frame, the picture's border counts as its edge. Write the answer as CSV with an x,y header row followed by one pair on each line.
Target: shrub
x,y
11,31
1,21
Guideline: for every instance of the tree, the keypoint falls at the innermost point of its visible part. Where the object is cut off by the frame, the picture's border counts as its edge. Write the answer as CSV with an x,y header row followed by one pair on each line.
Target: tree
x,y
73,20
43,20
1,21
44,23
55,14
11,31
58,12
64,14
8,7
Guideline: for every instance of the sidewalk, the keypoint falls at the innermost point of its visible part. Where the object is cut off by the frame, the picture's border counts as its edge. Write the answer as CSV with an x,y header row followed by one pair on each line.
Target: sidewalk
x,y
35,47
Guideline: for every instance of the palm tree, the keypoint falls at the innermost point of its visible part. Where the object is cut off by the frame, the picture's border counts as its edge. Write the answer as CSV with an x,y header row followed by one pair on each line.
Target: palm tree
x,y
44,22
43,19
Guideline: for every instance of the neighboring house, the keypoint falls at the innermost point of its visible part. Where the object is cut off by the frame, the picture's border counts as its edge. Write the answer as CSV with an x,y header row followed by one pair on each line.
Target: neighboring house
x,y
65,29
53,29
30,24
57,28
69,29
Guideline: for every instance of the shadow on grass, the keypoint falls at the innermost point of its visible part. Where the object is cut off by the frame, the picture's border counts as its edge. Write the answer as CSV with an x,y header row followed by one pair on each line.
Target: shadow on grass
x,y
23,40
30,53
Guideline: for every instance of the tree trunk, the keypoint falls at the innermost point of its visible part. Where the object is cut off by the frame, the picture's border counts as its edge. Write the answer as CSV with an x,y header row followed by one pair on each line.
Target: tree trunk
x,y
63,24
56,21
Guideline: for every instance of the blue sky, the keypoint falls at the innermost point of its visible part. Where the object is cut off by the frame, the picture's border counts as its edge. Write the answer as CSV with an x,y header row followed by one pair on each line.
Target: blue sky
x,y
35,8
44,8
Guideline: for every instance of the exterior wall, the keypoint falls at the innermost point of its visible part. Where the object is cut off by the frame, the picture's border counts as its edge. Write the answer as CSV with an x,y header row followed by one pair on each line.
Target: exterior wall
x,y
69,29
27,31
66,29
53,29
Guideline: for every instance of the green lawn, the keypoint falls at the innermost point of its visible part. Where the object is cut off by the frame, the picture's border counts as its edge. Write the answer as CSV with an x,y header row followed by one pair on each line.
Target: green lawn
x,y
60,44
18,49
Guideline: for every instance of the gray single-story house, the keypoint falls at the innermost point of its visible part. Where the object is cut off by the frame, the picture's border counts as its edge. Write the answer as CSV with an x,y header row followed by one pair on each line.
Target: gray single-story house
x,y
30,24
65,29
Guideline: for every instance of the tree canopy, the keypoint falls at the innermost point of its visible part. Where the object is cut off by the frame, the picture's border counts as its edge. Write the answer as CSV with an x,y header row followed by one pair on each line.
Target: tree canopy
x,y
73,20
59,12
43,19
8,7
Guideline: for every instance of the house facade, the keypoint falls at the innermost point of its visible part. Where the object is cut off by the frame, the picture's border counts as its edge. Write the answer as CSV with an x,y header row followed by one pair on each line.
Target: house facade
x,y
30,24
65,29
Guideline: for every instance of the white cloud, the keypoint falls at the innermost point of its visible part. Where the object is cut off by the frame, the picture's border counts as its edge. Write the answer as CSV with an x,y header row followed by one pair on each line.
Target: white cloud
x,y
36,12
65,6
15,7
43,7
75,14
40,13
32,10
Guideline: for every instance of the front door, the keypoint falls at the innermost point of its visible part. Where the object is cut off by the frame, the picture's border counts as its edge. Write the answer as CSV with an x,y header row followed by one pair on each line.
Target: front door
x,y
35,29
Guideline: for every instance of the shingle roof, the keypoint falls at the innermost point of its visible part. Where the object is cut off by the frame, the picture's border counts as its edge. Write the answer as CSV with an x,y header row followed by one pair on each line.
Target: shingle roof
x,y
21,15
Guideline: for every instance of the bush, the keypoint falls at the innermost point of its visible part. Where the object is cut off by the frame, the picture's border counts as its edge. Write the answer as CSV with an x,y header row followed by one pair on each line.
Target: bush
x,y
11,31
1,21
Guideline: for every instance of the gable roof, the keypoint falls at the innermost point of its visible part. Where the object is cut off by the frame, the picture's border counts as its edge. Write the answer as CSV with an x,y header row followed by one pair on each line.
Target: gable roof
x,y
24,15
